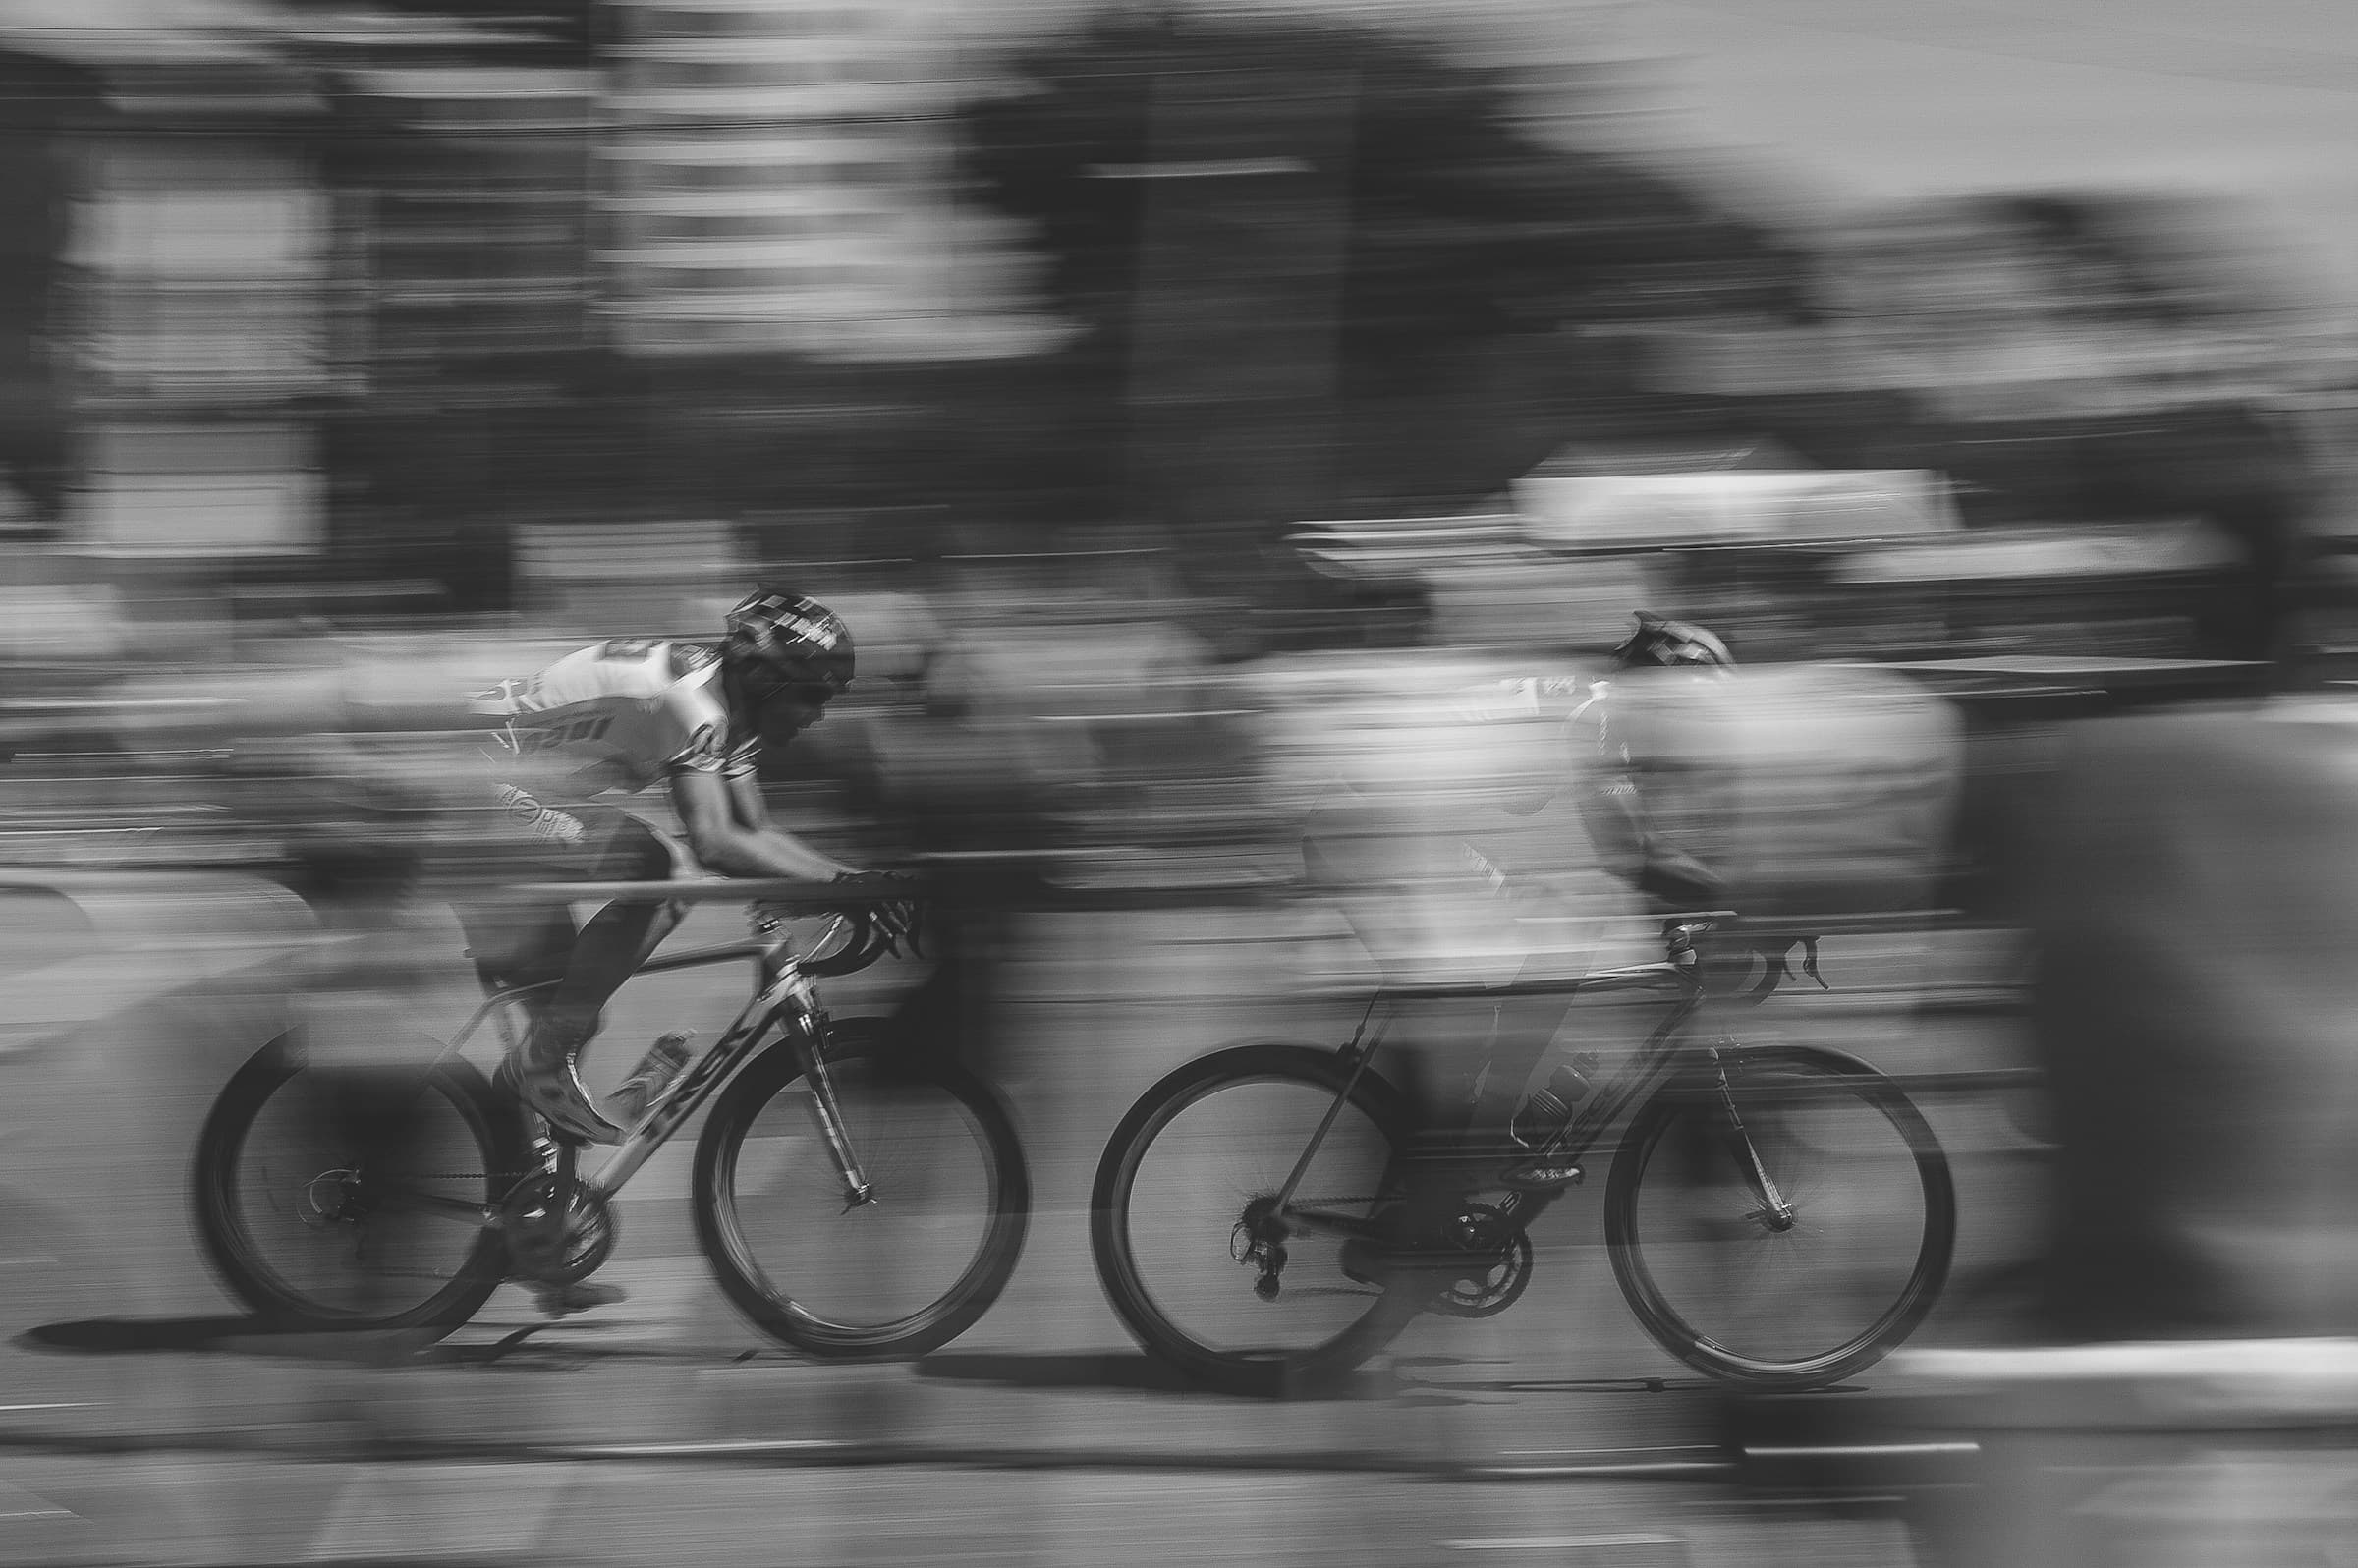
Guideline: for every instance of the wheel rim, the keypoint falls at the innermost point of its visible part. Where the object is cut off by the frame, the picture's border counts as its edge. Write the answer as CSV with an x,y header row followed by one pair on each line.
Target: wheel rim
x,y
880,1270
1188,1217
1809,1294
333,1228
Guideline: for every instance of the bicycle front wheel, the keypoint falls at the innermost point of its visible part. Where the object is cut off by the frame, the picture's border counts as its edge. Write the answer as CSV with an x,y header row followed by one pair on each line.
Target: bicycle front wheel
x,y
330,1196
1788,1232
1196,1255
903,1272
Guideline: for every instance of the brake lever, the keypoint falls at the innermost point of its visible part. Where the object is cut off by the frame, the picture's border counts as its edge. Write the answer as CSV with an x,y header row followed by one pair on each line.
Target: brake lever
x,y
1808,963
1775,968
903,927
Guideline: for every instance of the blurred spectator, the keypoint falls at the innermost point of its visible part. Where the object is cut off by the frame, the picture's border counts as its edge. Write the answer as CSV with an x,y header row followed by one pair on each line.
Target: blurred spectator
x,y
2193,914
2180,1389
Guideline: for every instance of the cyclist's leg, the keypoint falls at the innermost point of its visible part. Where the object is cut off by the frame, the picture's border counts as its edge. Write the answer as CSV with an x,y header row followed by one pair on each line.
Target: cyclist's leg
x,y
592,843
514,941
517,939
618,938
1465,1110
1424,916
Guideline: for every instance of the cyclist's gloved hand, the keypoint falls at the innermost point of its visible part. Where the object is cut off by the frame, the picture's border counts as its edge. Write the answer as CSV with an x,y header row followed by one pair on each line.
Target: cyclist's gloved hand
x,y
901,924
899,920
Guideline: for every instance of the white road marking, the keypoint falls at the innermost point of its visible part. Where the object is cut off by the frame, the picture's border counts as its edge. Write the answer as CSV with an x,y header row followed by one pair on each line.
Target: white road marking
x,y
13,1497
1554,1542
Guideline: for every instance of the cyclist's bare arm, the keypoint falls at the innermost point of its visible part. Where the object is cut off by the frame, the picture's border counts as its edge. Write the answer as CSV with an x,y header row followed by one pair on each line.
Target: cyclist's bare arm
x,y
729,831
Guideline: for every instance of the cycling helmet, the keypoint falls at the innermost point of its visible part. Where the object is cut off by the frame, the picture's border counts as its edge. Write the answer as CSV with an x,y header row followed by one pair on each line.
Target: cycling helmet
x,y
1674,644
780,643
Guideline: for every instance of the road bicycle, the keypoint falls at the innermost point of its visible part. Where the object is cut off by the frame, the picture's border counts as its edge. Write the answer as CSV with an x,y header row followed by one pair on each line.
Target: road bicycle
x,y
857,1193
1778,1216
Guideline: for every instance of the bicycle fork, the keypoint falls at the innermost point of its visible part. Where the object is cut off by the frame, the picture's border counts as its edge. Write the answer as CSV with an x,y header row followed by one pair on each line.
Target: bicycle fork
x,y
811,1053
1776,1211
805,1022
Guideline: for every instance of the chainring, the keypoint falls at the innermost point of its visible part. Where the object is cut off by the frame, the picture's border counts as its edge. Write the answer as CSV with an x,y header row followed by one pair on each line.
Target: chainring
x,y
1499,1286
556,1233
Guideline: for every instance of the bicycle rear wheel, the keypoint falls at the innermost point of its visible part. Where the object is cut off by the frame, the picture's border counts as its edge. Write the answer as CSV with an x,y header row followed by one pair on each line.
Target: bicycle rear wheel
x,y
330,1196
1793,1296
1183,1215
899,1275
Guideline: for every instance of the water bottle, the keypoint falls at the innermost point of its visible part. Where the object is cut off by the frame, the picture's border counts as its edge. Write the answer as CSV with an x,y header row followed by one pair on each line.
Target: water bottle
x,y
1549,1106
664,1061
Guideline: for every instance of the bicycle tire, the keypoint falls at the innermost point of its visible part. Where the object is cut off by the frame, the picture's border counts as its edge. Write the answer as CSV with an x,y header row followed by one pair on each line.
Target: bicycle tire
x,y
1837,1076
862,1057
1311,1370
222,1188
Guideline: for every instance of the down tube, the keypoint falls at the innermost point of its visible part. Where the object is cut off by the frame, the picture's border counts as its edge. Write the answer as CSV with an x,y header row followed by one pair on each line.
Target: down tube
x,y
1655,1061
704,1077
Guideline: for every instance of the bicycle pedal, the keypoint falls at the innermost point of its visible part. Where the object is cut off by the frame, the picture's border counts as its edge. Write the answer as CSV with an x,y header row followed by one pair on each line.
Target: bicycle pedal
x,y
1542,1176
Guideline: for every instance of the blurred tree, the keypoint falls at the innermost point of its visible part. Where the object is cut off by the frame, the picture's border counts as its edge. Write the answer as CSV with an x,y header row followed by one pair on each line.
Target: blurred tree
x,y
1322,257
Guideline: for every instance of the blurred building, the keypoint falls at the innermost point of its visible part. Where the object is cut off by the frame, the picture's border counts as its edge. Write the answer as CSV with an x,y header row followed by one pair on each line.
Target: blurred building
x,y
164,324
461,163
776,179
468,233
196,314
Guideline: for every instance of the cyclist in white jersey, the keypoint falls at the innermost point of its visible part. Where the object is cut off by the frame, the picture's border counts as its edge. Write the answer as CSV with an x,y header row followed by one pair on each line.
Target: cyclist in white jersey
x,y
623,716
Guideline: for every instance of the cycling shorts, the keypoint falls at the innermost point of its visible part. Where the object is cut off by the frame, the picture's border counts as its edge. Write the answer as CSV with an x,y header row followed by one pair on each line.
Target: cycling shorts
x,y
581,841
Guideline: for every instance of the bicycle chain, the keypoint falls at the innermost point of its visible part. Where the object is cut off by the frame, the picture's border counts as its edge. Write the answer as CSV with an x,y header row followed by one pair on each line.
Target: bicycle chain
x,y
468,1175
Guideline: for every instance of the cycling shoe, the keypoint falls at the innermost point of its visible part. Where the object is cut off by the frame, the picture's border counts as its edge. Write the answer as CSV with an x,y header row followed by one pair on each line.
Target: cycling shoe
x,y
547,1076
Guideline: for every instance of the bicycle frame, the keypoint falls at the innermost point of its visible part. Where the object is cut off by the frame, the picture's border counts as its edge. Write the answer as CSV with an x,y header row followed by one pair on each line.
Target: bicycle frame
x,y
1658,1059
783,994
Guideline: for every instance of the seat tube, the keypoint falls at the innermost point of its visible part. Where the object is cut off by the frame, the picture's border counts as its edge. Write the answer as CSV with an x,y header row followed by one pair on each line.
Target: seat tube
x,y
1360,1051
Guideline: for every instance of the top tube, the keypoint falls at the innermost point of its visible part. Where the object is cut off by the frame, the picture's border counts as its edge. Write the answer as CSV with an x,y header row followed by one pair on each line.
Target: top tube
x,y
1628,978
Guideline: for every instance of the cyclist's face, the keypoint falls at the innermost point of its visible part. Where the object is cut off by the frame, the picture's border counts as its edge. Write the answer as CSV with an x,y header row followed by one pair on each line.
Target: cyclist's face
x,y
792,711
783,709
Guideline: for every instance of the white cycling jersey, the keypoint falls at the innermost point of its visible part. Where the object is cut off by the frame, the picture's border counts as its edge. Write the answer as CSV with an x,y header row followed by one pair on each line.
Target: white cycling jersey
x,y
619,715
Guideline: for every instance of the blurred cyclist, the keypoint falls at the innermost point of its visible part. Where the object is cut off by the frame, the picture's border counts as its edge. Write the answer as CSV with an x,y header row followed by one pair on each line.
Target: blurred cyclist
x,y
1465,1141
624,715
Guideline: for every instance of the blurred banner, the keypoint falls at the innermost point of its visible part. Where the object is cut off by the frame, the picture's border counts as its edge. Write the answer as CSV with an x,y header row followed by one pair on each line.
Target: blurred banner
x,y
1624,511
